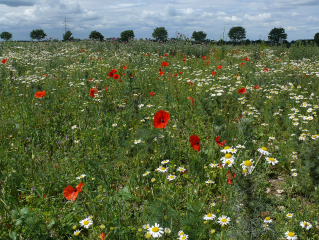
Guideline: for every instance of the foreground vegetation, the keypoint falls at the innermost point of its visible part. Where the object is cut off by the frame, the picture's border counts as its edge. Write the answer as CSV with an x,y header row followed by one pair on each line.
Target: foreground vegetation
x,y
232,155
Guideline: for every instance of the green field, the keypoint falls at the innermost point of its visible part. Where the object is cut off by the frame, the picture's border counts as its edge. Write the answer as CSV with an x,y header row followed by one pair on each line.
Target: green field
x,y
234,154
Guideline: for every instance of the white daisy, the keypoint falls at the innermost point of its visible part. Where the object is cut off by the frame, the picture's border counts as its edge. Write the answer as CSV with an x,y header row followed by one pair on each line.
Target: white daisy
x,y
167,230
77,232
294,174
181,169
228,157
305,225
162,169
289,215
248,164
226,149
184,237
74,127
240,146
267,220
213,165
146,173
209,216
263,151
180,233
291,235
209,181
165,161
114,124
146,226
171,177
137,141
81,176
223,220
272,161
156,231
86,223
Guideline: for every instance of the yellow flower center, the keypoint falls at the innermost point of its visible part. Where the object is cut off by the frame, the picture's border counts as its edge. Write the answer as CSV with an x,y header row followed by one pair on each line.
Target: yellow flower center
x,y
171,177
224,220
181,233
228,155
77,233
245,170
228,163
305,224
148,235
155,229
248,163
271,159
184,237
291,234
209,215
162,168
264,148
227,147
86,222
267,218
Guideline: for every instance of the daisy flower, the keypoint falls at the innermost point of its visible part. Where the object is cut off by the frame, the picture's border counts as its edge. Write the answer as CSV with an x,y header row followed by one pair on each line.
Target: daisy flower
x,y
213,165
228,157
209,216
146,226
81,176
266,227
181,233
228,162
294,174
167,230
137,141
248,164
223,220
146,173
263,151
272,161
226,149
114,124
209,181
290,235
165,161
162,169
267,220
240,146
153,179
213,204
74,127
305,225
156,231
77,232
184,237
86,223
171,177
289,215
181,169
272,138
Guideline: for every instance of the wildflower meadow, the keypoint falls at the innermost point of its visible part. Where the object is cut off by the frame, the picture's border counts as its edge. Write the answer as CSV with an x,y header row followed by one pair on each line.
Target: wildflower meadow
x,y
151,140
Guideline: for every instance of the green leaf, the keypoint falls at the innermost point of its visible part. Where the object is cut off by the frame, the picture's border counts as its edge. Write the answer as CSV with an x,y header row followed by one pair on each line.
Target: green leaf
x,y
13,235
51,224
14,214
19,222
24,211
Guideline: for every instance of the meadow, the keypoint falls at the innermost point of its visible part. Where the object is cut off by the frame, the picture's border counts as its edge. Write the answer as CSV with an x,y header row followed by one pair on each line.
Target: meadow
x,y
145,140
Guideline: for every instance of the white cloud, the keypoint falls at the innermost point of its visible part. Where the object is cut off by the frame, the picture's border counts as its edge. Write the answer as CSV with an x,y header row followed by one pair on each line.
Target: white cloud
x,y
292,28
295,14
258,18
230,19
170,10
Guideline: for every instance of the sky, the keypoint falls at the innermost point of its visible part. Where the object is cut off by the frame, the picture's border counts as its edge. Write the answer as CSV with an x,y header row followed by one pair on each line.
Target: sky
x,y
299,18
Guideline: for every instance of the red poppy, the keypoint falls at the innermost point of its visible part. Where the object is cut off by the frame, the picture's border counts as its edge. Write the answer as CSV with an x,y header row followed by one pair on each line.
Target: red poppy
x,y
125,67
161,119
116,76
4,61
120,80
71,193
91,79
266,69
213,73
229,177
192,100
92,91
165,55
246,59
152,93
160,70
112,72
257,86
180,72
242,64
191,84
106,89
161,73
40,94
195,142
207,63
82,50
102,236
217,140
165,64
241,90
184,60
131,75
219,67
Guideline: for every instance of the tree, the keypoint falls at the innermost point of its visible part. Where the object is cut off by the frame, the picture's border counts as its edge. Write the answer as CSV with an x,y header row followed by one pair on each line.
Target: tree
x,y
199,36
276,35
67,36
6,36
96,36
160,33
37,34
237,33
316,38
126,35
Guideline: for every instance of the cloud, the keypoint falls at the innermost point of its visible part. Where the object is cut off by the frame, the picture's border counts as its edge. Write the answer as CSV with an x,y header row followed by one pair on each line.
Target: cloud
x,y
170,10
230,19
19,3
258,18
295,14
292,28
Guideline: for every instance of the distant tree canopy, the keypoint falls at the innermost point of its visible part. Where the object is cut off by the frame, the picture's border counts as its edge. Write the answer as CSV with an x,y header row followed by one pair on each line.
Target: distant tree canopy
x,y
37,34
67,36
126,35
316,38
237,33
199,36
277,35
160,33
6,36
95,35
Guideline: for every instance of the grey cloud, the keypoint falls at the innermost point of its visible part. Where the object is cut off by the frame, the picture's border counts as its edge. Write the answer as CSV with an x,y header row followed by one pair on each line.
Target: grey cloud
x,y
18,3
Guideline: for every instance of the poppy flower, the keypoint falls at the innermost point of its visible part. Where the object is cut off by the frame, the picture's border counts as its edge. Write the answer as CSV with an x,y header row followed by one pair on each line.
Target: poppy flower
x,y
266,69
241,90
165,64
125,67
91,79
116,76
4,61
213,73
192,99
191,84
106,89
160,70
102,236
152,93
242,64
257,86
71,193
229,177
219,67
246,59
161,73
40,94
92,91
217,140
195,142
111,73
161,119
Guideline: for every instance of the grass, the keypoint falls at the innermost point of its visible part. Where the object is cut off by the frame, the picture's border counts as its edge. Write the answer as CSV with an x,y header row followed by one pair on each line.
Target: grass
x,y
109,143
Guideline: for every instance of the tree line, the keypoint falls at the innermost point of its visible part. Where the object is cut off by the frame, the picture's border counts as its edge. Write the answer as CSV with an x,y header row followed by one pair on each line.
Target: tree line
x,y
236,34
